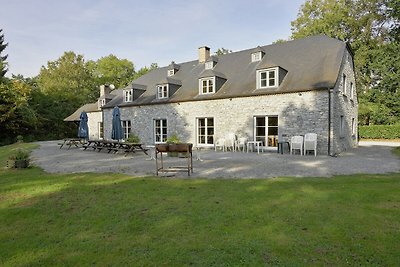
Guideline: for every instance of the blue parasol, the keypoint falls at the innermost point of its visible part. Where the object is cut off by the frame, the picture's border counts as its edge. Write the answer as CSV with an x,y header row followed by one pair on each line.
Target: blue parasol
x,y
116,133
83,131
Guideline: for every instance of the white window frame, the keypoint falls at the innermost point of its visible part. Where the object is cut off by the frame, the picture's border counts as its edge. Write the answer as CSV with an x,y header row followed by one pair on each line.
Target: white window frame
x,y
162,91
128,95
209,138
101,130
209,89
344,84
267,78
161,131
209,65
256,56
126,128
171,72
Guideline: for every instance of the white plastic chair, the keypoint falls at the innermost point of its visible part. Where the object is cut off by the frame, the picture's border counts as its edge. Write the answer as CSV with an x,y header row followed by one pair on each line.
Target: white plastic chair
x,y
220,144
310,143
296,143
230,140
241,143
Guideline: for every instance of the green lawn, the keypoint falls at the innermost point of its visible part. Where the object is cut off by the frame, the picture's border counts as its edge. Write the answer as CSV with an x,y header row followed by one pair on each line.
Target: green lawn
x,y
109,219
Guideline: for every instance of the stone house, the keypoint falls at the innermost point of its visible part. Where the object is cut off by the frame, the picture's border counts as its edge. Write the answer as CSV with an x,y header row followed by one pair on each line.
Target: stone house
x,y
292,88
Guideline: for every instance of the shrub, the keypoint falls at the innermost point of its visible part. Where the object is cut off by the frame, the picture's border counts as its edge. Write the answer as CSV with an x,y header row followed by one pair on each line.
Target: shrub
x,y
133,138
379,131
173,139
20,154
20,139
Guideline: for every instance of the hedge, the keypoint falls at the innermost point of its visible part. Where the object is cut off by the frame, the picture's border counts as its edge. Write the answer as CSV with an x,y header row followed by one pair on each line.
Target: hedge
x,y
379,131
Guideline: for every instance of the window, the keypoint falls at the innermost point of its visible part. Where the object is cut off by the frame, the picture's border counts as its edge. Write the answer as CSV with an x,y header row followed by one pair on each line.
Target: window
x,y
101,129
267,78
266,130
207,86
256,56
128,95
162,91
351,90
171,72
344,84
205,131
353,127
160,130
126,128
209,65
341,129
102,102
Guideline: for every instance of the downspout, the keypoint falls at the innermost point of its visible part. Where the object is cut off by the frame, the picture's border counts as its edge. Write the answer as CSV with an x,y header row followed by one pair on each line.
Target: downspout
x,y
329,120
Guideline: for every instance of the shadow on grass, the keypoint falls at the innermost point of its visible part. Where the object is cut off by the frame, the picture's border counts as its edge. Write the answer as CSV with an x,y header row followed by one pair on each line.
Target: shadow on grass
x,y
109,219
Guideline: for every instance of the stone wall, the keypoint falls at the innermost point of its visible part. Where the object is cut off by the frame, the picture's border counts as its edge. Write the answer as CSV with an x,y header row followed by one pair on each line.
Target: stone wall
x,y
344,105
298,113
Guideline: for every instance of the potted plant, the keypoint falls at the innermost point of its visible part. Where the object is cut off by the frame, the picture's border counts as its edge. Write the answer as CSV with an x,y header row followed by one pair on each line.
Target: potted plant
x,y
20,158
173,142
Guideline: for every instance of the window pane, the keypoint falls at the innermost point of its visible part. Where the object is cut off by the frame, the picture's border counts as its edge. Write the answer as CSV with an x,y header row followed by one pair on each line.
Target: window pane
x,y
210,140
202,139
272,121
202,122
273,130
263,75
260,121
210,122
271,74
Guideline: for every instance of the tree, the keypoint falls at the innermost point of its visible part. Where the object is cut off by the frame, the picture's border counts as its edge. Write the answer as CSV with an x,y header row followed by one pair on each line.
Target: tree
x,y
63,86
16,115
371,27
144,70
112,70
3,63
222,51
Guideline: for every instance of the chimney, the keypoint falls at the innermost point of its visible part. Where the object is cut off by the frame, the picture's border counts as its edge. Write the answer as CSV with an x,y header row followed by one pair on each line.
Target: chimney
x,y
204,53
104,90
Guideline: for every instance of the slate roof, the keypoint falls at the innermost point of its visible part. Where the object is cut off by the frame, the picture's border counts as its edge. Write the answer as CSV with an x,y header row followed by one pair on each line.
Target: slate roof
x,y
91,107
311,63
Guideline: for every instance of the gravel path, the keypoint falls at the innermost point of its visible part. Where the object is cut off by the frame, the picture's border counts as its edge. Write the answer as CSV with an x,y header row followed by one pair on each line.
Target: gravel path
x,y
369,157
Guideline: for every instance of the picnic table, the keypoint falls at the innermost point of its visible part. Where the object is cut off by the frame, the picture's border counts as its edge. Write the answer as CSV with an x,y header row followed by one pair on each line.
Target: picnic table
x,y
77,142
115,146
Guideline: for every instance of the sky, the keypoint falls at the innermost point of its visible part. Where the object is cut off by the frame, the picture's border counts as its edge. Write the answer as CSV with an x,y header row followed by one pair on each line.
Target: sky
x,y
144,32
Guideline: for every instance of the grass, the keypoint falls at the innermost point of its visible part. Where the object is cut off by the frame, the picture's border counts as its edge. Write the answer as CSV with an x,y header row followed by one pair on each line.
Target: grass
x,y
110,219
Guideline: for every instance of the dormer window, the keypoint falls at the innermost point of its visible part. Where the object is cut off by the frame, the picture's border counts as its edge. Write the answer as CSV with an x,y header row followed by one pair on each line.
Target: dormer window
x,y
209,65
162,91
267,78
256,56
173,69
128,95
101,102
207,86
171,73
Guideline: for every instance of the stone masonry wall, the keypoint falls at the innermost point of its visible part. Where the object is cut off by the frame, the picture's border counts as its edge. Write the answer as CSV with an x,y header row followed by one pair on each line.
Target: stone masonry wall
x,y
298,113
344,105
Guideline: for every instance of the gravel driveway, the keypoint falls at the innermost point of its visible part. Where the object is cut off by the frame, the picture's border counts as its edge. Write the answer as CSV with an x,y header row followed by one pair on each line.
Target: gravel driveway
x,y
369,157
